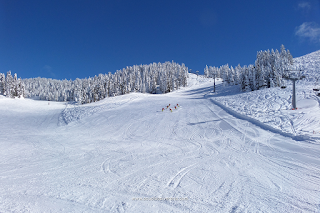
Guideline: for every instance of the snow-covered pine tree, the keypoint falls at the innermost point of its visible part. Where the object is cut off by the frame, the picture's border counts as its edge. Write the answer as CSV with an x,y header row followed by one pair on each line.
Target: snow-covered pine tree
x,y
247,87
206,72
77,96
231,76
153,89
244,76
9,85
237,73
262,82
2,84
19,88
225,71
16,88
252,77
23,89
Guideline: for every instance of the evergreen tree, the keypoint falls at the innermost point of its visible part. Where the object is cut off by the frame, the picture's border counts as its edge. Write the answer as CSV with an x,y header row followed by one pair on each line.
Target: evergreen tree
x,y
2,84
247,87
9,85
19,88
262,81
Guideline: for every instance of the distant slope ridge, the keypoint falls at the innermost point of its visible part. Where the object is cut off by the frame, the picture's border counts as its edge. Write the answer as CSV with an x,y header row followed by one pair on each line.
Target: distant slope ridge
x,y
310,63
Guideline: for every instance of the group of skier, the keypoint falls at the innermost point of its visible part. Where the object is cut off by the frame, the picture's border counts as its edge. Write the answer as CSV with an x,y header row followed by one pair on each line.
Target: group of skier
x,y
168,107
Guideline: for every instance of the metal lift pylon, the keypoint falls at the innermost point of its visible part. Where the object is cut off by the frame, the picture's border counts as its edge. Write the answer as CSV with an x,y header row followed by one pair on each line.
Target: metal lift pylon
x,y
293,78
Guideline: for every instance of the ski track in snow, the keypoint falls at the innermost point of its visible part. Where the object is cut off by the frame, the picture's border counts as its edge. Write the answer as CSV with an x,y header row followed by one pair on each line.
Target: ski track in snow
x,y
100,157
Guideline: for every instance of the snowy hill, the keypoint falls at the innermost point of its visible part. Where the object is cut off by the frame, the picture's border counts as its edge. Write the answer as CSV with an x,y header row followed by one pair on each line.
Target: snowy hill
x,y
124,154
310,63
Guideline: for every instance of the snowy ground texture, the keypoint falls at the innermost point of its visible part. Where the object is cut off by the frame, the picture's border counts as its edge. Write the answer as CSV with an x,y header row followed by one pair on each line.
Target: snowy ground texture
x,y
223,152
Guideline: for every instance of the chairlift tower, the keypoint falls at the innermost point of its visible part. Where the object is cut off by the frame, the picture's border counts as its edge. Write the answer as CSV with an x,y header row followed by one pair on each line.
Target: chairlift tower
x,y
294,76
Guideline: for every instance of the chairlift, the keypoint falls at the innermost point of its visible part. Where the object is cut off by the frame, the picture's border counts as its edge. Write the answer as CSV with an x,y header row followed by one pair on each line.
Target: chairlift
x,y
283,85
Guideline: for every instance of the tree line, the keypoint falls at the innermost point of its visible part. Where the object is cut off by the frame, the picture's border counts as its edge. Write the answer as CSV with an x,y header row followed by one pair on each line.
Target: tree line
x,y
268,71
153,78
11,86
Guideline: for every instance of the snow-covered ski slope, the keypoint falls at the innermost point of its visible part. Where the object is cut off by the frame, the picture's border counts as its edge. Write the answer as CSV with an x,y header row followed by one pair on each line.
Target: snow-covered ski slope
x,y
123,154
273,106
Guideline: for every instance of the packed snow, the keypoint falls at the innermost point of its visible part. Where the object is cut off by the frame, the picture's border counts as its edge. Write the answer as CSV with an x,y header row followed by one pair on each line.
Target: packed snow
x,y
215,152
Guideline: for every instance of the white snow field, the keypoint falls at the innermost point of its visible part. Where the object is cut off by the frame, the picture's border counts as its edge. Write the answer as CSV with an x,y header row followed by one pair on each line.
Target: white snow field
x,y
123,154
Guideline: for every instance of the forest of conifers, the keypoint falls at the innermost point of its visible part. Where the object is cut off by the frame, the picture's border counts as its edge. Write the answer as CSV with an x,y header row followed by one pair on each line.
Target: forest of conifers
x,y
155,78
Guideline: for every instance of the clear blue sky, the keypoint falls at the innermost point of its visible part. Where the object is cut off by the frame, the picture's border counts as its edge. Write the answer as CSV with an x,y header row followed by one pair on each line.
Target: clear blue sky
x,y
81,38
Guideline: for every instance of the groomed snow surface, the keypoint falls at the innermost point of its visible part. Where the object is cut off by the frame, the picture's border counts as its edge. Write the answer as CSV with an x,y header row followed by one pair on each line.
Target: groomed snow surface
x,y
217,152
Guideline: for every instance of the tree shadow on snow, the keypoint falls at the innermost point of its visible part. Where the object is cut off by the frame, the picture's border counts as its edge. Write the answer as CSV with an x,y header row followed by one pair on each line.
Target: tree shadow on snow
x,y
198,91
207,92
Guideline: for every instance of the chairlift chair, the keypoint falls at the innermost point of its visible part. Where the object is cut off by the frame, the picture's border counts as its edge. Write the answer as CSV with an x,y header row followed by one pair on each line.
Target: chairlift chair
x,y
283,85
